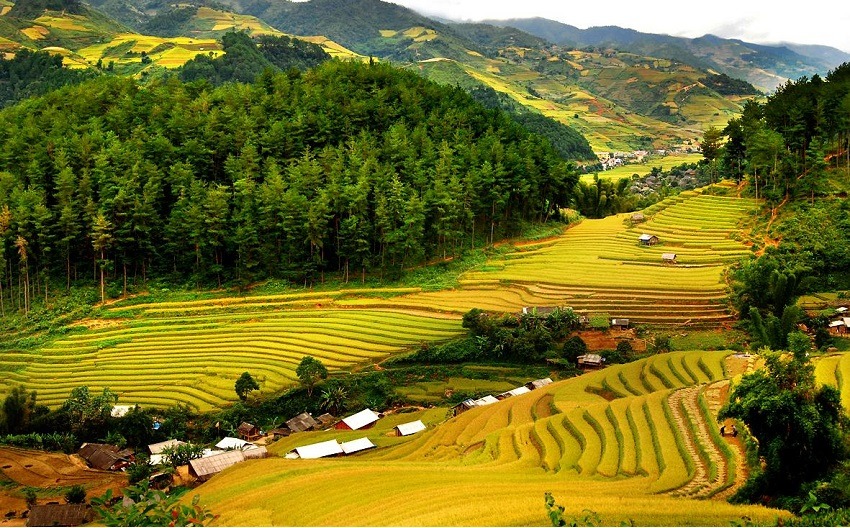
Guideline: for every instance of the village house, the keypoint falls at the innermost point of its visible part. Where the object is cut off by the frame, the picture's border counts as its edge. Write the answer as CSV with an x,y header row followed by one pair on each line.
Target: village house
x,y
228,443
407,429
590,361
204,469
106,457
668,258
648,240
513,392
621,324
638,218
249,432
325,420
365,419
318,450
302,422
60,515
536,384
354,446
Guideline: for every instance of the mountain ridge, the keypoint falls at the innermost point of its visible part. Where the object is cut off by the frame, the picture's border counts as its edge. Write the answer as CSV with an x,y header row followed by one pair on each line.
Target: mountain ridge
x,y
766,66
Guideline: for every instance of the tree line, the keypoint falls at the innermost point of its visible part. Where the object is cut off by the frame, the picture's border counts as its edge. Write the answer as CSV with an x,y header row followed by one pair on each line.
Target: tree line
x,y
785,145
347,168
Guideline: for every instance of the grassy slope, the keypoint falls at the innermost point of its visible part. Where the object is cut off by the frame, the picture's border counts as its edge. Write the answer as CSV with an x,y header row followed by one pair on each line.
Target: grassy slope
x,y
492,465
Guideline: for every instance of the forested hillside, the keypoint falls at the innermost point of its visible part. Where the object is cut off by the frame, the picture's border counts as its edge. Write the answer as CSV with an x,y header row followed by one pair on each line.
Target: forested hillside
x,y
34,73
346,167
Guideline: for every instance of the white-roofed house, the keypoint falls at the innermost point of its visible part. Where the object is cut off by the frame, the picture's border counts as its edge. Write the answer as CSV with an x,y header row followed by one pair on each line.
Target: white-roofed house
x,y
229,443
120,410
159,447
361,444
486,400
409,428
536,384
668,258
648,240
319,450
513,392
837,327
362,420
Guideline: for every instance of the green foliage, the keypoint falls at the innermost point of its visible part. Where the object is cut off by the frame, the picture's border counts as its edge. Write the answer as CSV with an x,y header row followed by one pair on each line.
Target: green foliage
x,y
554,511
76,495
30,497
573,348
181,454
86,412
64,442
661,343
799,426
310,371
140,469
244,385
18,408
245,59
146,507
725,85
349,168
33,73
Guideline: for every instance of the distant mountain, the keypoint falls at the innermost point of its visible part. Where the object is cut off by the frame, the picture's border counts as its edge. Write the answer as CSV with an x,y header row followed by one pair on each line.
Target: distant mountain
x,y
762,65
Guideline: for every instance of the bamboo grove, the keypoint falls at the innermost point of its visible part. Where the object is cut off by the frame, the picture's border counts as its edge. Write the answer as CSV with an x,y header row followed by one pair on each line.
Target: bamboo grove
x,y
346,168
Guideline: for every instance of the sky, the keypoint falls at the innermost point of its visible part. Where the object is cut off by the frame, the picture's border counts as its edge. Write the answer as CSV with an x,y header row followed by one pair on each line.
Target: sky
x,y
761,21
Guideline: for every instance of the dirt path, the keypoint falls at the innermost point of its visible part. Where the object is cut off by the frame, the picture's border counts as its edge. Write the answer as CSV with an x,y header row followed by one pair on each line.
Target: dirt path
x,y
767,240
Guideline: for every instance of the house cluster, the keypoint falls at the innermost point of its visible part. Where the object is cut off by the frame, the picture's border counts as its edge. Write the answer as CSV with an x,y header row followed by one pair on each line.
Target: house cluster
x,y
583,319
609,160
840,324
465,405
365,419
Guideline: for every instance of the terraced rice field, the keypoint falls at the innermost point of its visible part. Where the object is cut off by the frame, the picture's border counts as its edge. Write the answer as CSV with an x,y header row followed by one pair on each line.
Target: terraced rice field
x,y
161,360
599,266
192,351
635,442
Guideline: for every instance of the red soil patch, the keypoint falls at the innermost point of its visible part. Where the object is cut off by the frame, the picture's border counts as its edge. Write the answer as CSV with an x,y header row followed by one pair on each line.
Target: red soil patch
x,y
607,340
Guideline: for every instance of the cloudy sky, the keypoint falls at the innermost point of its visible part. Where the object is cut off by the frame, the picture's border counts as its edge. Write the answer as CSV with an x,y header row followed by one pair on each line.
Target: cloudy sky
x,y
762,21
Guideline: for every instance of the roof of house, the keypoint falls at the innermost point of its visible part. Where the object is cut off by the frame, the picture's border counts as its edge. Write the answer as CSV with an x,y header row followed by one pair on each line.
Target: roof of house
x,y
246,428
539,382
647,236
354,446
841,309
257,452
59,515
156,460
361,419
591,359
302,422
209,466
211,452
515,392
468,403
319,450
100,456
668,256
325,420
229,443
410,428
834,324
846,321
620,322
486,400
159,447
120,410
638,215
